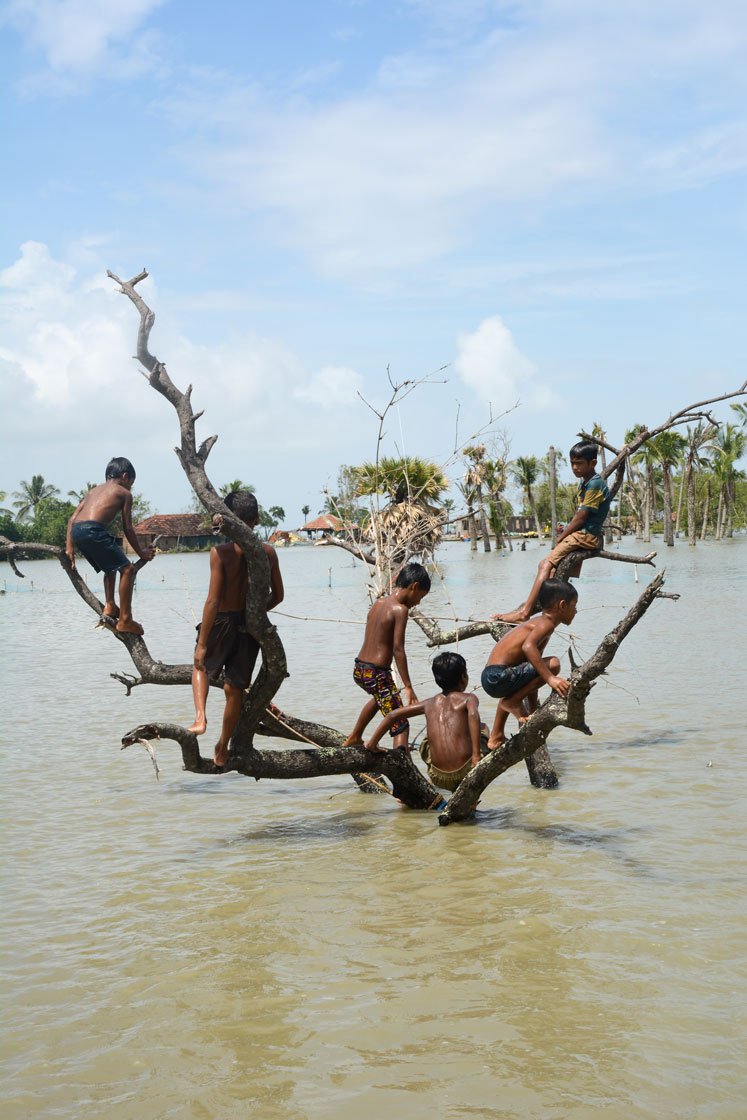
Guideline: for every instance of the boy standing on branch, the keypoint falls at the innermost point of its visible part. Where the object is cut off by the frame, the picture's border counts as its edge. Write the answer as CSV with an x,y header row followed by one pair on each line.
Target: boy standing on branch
x,y
223,641
87,530
385,639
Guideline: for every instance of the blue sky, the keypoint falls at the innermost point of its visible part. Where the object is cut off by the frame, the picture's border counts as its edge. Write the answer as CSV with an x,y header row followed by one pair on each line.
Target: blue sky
x,y
548,198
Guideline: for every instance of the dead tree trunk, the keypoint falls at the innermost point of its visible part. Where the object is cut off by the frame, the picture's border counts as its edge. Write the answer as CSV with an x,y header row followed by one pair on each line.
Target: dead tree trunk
x,y
322,752
555,712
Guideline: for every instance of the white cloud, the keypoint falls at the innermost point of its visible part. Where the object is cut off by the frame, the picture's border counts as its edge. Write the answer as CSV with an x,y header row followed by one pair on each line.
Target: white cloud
x,y
489,362
332,387
74,392
79,39
530,106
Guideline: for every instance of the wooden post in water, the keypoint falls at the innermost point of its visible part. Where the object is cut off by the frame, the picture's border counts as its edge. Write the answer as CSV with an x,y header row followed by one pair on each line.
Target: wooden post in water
x,y
553,502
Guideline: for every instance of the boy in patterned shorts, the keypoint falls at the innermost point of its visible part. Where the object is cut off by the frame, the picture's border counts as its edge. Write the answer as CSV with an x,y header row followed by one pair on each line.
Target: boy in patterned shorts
x,y
384,640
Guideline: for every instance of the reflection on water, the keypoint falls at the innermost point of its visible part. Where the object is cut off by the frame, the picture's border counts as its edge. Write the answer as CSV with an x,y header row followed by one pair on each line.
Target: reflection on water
x,y
203,947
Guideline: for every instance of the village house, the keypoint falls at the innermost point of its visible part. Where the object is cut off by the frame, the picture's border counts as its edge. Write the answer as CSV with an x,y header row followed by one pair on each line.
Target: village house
x,y
172,532
325,525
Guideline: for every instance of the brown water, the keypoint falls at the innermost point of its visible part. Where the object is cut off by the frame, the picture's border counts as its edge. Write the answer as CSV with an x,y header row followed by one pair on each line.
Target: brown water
x,y
202,947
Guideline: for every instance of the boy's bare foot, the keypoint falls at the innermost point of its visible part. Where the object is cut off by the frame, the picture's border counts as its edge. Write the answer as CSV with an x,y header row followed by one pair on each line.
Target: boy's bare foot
x,y
515,710
199,726
220,757
495,742
351,742
110,611
519,615
129,627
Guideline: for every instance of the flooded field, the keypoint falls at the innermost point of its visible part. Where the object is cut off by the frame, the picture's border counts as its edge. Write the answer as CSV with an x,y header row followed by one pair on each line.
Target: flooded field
x,y
212,947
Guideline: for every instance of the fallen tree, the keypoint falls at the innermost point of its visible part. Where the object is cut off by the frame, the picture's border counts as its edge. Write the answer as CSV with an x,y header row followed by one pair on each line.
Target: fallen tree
x,y
322,752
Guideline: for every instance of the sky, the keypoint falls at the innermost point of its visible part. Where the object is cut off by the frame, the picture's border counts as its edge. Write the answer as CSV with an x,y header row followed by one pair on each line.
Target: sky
x,y
540,208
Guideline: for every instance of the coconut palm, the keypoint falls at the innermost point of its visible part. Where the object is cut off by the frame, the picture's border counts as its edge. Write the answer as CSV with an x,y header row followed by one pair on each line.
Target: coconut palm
x,y
730,446
31,494
699,439
477,474
410,523
229,487
741,411
525,471
499,509
305,510
667,448
79,495
467,490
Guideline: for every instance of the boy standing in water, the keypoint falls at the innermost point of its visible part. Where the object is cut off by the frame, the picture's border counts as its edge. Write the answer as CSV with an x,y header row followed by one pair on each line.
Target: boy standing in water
x,y
516,669
222,639
87,531
452,723
583,531
385,639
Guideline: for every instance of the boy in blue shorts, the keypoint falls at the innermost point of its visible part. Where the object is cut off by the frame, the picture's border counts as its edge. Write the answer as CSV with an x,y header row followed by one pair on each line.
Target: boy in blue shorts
x,y
583,531
87,530
516,669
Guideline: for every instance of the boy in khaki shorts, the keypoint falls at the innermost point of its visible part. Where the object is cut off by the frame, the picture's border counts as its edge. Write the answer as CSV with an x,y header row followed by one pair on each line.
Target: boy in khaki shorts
x,y
583,531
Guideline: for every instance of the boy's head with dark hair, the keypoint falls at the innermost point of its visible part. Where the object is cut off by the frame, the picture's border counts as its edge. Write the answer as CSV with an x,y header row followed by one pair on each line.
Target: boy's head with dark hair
x,y
244,504
119,466
553,590
585,449
449,671
413,573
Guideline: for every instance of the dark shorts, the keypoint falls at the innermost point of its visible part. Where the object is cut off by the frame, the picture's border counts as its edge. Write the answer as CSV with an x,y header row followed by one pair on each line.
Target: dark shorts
x,y
379,683
504,680
99,547
231,649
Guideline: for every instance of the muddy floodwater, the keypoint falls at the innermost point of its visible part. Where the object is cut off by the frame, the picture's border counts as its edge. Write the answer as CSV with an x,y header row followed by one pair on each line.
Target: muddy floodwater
x,y
213,947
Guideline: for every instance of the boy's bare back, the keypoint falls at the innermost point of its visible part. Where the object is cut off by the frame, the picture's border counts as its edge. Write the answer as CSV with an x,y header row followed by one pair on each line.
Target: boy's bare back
x,y
447,719
510,649
381,624
104,502
235,578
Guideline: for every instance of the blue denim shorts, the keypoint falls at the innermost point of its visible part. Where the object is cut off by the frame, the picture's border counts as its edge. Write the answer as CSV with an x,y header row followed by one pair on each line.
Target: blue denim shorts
x,y
504,680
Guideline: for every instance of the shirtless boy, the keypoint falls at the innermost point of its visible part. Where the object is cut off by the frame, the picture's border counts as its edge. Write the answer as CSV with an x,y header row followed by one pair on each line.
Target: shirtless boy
x,y
87,531
222,639
583,531
385,639
452,723
516,669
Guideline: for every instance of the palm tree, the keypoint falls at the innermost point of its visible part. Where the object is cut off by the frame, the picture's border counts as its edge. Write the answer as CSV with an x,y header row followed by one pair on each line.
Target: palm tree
x,y
305,510
476,475
79,495
741,411
31,494
525,472
730,446
667,448
410,523
699,438
228,487
467,490
499,509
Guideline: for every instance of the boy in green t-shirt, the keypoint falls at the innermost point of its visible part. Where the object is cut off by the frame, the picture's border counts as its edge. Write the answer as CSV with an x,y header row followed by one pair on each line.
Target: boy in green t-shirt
x,y
584,530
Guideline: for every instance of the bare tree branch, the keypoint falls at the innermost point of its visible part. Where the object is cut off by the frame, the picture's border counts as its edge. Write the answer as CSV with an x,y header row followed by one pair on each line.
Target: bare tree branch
x,y
688,415
555,712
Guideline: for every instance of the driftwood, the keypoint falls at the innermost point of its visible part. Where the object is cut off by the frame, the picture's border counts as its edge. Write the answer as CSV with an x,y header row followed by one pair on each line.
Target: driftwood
x,y
318,749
